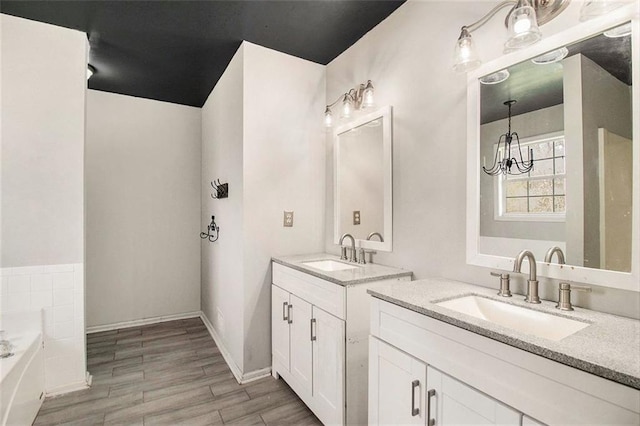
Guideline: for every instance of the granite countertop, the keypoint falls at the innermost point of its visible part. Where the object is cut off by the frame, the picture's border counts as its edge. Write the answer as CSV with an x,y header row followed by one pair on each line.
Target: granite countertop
x,y
361,274
609,347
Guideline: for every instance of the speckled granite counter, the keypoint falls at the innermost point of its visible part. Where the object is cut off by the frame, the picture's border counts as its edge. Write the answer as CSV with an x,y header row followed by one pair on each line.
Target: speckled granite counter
x,y
362,274
609,347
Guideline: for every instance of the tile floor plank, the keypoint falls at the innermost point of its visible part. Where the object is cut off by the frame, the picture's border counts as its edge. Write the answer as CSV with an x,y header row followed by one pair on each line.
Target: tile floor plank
x,y
169,373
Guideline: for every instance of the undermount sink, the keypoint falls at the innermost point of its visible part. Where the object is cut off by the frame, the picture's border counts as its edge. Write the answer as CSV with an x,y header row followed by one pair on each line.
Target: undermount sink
x,y
329,265
521,319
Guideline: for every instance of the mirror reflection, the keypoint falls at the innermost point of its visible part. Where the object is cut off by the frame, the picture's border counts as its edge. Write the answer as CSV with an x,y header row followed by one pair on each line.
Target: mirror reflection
x,y
572,117
362,168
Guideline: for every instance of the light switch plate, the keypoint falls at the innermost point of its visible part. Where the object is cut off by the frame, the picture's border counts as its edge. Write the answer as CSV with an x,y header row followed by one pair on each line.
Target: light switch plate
x,y
288,219
356,217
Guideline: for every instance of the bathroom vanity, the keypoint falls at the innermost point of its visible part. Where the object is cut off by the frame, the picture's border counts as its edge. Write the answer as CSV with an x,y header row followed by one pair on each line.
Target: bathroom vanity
x,y
442,352
320,331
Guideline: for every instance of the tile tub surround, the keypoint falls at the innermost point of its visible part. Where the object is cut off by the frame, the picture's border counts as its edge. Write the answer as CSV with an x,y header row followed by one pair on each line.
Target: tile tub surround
x,y
57,290
607,348
361,274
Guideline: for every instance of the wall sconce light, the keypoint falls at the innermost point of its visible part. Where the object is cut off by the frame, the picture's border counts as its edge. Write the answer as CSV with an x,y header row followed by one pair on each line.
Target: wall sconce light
x,y
90,71
522,23
502,164
360,97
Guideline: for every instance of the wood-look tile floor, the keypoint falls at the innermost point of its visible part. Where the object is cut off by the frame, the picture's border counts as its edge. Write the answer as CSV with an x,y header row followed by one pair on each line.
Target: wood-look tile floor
x,y
170,373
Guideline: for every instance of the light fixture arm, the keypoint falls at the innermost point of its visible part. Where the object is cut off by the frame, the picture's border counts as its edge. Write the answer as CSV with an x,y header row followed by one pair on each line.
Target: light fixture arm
x,y
480,22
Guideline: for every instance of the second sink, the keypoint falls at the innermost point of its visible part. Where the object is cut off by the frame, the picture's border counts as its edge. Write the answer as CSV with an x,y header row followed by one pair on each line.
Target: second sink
x,y
521,319
329,265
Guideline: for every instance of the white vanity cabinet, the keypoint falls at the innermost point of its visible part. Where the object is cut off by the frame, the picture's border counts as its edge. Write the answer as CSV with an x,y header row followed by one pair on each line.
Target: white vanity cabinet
x,y
477,380
405,390
320,333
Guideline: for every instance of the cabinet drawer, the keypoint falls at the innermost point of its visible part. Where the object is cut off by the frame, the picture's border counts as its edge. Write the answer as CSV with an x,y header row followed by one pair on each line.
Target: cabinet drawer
x,y
326,295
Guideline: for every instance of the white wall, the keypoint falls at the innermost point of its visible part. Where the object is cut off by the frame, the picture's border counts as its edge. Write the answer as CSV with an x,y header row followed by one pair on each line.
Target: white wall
x,y
263,123
222,261
409,59
143,208
43,80
42,143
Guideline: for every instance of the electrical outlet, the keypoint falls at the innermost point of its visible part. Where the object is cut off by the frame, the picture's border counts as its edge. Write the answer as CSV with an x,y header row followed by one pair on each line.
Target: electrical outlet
x,y
356,217
288,219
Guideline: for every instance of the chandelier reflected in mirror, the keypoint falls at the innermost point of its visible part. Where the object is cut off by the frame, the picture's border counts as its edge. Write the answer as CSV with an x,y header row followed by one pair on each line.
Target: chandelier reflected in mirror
x,y
508,159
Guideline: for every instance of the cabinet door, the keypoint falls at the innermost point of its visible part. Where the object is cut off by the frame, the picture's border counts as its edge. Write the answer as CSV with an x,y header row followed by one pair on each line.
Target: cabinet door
x,y
280,327
301,349
455,403
328,336
397,386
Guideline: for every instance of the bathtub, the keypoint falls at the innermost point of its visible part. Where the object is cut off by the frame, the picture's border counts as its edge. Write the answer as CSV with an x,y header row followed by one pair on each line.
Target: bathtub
x,y
22,375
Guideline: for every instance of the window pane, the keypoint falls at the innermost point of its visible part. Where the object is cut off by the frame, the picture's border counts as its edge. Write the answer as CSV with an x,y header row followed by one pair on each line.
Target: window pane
x,y
542,150
559,186
541,187
517,205
559,146
542,167
542,205
559,204
516,188
559,165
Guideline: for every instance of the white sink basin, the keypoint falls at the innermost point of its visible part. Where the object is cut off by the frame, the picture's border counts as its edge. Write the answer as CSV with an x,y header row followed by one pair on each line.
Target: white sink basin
x,y
521,319
329,265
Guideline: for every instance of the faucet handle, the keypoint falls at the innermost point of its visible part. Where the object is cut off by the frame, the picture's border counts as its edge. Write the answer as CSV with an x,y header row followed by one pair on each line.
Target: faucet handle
x,y
564,295
504,284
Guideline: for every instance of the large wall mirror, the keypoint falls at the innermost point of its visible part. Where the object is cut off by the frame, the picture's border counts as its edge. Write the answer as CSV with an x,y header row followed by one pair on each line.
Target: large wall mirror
x,y
362,179
576,115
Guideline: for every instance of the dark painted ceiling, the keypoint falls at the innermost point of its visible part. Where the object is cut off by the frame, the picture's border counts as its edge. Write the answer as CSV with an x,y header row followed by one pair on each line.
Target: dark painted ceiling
x,y
176,50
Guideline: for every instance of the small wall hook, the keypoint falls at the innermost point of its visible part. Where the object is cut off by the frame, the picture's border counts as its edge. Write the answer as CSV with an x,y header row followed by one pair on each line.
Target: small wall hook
x,y
221,190
213,231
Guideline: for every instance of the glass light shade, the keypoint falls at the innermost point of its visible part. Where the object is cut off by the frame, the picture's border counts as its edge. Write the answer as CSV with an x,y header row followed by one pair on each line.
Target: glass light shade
x,y
367,96
551,57
621,31
594,8
522,26
495,78
347,107
328,117
90,71
465,56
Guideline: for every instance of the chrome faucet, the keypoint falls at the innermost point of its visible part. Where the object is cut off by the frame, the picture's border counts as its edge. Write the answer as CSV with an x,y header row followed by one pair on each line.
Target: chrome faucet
x,y
376,234
343,249
532,282
551,251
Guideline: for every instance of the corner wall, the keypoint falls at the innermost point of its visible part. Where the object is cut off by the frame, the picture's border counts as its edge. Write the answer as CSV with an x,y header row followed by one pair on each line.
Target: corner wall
x,y
262,133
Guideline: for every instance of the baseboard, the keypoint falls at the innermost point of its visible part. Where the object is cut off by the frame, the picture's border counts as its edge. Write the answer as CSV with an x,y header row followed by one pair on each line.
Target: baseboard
x,y
145,321
241,377
71,387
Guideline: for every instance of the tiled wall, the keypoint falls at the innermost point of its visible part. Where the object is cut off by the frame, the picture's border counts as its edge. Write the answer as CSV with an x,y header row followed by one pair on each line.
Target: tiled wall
x,y
59,291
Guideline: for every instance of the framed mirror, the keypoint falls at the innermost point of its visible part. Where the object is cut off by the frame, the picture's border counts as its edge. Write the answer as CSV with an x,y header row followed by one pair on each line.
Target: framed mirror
x,y
362,180
576,120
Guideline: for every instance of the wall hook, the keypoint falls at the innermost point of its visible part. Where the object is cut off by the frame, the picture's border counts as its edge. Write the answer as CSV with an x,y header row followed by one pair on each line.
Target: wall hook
x,y
221,190
213,231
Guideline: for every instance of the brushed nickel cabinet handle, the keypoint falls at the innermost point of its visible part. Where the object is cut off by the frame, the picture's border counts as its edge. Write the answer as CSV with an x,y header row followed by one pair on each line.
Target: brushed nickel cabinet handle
x,y
430,421
289,314
284,311
414,411
313,336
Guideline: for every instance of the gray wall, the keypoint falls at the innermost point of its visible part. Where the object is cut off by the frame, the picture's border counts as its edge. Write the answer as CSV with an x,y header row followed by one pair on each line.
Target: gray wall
x,y
408,57
143,208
